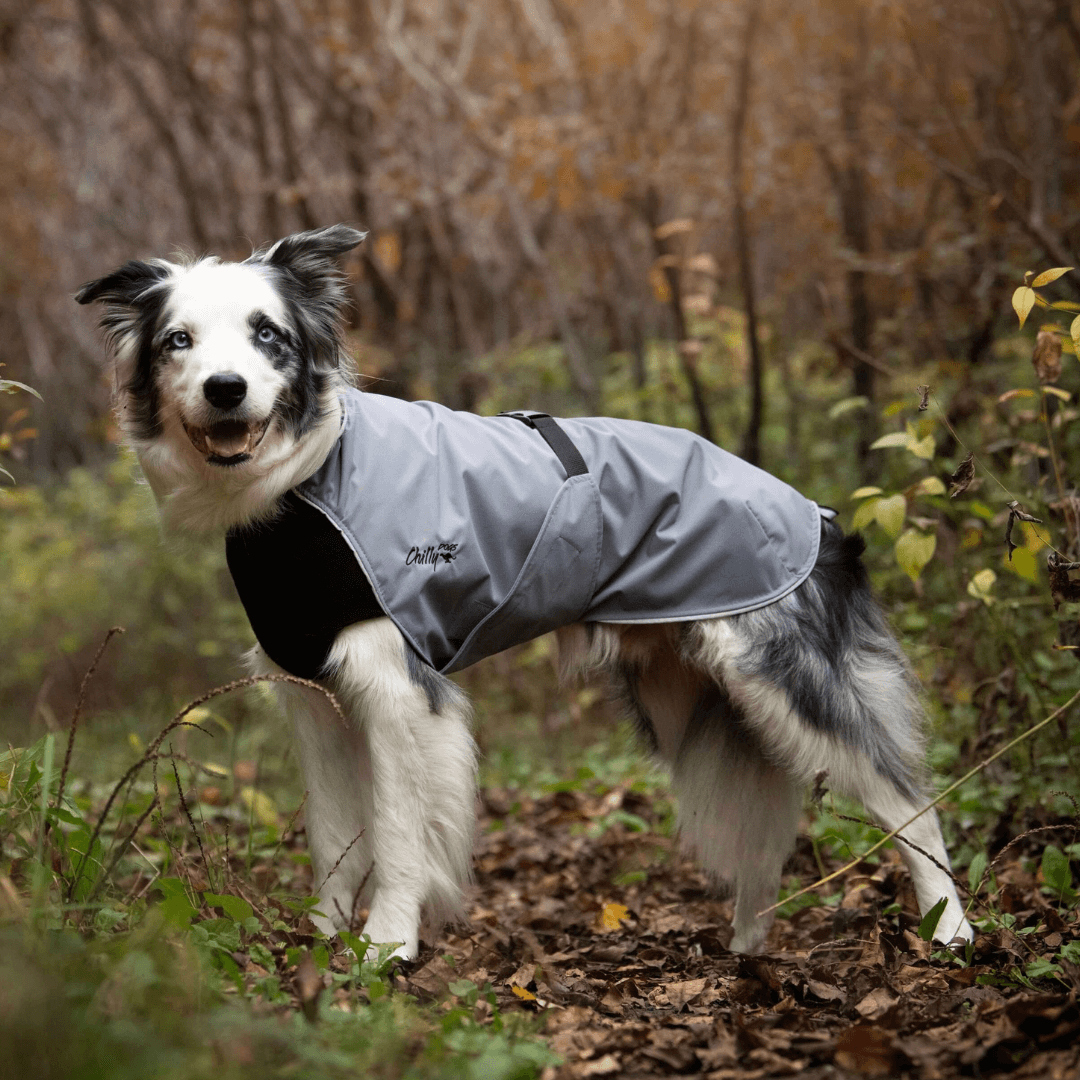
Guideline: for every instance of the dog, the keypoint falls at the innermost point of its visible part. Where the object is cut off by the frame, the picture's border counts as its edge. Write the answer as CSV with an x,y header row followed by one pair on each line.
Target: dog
x,y
768,665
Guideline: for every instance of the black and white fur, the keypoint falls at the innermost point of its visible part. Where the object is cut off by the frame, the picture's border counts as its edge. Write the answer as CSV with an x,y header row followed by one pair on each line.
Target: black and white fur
x,y
227,384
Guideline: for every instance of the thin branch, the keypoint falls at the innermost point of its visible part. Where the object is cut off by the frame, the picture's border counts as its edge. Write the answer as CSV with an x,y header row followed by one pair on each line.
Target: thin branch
x,y
929,806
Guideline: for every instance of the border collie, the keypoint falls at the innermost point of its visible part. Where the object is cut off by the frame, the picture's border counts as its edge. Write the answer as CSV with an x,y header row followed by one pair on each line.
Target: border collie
x,y
232,388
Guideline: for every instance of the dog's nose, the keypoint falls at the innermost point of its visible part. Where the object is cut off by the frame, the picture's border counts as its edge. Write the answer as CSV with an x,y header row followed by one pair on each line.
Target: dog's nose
x,y
226,390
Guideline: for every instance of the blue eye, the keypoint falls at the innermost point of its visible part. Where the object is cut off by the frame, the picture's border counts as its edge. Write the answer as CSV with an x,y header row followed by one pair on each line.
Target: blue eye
x,y
179,339
266,334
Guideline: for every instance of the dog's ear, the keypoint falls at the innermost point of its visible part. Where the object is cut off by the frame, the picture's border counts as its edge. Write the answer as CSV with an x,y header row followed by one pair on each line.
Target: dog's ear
x,y
313,286
299,250
126,285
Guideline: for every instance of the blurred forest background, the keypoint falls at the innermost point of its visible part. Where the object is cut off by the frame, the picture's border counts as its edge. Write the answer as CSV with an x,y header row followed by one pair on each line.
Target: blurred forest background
x,y
767,222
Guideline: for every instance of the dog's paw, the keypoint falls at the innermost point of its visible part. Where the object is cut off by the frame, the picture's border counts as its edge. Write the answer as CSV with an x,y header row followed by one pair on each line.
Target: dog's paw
x,y
962,934
749,940
406,939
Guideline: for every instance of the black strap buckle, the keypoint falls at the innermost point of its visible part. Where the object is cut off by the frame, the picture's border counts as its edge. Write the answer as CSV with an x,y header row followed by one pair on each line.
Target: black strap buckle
x,y
561,443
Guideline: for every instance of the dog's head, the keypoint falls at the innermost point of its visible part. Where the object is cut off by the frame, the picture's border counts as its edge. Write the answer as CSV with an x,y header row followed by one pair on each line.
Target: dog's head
x,y
225,360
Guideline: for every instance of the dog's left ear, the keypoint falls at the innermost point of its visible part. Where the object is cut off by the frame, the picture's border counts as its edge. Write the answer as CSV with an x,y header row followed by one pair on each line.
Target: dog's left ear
x,y
317,245
313,285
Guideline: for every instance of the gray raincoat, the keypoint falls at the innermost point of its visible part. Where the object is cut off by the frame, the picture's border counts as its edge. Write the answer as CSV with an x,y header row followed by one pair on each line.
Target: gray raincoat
x,y
472,536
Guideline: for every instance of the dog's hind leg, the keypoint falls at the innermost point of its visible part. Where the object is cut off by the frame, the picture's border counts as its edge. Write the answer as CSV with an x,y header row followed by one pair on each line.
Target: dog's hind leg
x,y
829,691
421,780
737,812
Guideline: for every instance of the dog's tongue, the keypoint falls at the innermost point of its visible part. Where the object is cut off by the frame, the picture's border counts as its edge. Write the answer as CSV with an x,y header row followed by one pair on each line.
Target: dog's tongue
x,y
228,439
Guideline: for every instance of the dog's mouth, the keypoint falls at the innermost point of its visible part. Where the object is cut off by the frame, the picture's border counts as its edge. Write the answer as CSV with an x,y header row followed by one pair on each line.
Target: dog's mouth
x,y
228,442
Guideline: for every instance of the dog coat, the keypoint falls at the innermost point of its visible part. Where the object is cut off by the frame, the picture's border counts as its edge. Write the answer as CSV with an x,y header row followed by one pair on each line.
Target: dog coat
x,y
476,533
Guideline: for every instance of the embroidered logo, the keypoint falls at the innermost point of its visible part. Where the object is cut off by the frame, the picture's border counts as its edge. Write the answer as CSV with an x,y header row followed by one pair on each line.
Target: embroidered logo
x,y
432,555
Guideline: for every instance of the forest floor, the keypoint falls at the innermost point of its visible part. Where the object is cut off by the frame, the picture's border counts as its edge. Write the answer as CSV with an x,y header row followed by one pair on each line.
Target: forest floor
x,y
839,991
593,948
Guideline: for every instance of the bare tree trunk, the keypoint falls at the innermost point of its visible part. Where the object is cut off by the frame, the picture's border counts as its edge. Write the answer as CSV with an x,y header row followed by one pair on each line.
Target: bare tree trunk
x,y
185,181
687,354
751,448
850,184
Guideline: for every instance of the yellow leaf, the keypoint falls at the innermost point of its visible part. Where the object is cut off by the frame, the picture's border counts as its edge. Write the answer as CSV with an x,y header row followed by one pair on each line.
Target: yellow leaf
x,y
612,916
522,993
914,550
1057,392
676,225
1010,394
862,492
1024,564
136,743
661,289
261,806
930,485
1074,333
890,514
864,514
923,448
1023,300
895,438
1049,275
981,584
841,408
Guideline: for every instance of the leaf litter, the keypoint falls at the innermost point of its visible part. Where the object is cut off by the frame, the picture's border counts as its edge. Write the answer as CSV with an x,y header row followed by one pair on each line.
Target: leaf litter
x,y
588,919
635,980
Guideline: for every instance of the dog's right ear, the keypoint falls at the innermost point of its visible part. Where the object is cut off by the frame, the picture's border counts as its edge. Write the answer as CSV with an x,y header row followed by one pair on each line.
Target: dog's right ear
x,y
126,285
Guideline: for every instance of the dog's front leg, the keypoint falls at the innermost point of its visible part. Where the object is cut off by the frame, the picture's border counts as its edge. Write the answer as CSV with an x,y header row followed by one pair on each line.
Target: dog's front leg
x,y
336,767
422,761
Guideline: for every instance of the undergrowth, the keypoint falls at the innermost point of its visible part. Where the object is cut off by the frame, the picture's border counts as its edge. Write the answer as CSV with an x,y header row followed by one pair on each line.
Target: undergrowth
x,y
160,926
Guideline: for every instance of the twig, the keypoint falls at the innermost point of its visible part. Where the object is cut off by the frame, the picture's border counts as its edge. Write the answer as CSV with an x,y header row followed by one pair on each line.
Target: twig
x,y
341,857
281,838
904,840
191,820
122,849
929,806
953,432
77,714
178,721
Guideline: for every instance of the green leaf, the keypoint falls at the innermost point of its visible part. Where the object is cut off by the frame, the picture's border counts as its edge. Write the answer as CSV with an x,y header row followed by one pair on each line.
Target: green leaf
x,y
841,408
170,886
1050,275
1039,969
9,386
981,584
929,485
890,514
1055,870
923,448
914,550
863,492
931,919
895,438
864,514
177,910
1023,300
238,910
977,868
